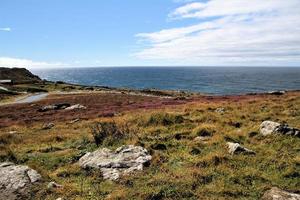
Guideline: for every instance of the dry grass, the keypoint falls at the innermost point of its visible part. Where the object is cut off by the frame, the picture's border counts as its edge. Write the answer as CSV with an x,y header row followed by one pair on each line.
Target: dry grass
x,y
185,169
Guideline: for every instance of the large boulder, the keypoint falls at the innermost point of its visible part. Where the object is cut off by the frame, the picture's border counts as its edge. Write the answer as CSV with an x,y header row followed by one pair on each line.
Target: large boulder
x,y
236,148
112,164
278,194
17,181
269,127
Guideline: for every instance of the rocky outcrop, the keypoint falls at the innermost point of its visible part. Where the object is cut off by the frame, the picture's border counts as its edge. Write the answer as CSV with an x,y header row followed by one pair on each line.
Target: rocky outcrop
x,y
112,164
16,181
269,128
236,148
278,194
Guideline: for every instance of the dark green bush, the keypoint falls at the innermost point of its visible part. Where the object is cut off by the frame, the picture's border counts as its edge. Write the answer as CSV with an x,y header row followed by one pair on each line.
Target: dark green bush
x,y
103,130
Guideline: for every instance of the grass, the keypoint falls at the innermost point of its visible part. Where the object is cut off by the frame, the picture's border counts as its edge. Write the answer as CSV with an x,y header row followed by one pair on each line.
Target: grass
x,y
183,168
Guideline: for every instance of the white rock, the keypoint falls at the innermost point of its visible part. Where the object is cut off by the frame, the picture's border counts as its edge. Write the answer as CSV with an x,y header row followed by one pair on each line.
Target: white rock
x,y
236,148
75,107
268,127
53,185
16,181
48,126
278,194
112,164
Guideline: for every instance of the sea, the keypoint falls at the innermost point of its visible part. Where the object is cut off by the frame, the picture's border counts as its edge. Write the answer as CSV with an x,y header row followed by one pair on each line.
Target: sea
x,y
209,80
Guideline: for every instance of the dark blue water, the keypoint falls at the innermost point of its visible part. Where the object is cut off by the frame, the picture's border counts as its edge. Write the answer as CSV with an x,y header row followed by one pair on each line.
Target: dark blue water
x,y
213,80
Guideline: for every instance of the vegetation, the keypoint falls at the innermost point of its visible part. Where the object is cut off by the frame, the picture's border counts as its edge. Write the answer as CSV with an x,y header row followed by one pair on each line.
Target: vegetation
x,y
181,167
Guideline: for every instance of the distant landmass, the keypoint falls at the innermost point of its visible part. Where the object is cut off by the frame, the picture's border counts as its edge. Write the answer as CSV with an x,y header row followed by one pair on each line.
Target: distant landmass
x,y
18,75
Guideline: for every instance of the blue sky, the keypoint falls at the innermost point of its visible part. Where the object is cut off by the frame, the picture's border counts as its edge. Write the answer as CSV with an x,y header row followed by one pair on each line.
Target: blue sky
x,y
63,33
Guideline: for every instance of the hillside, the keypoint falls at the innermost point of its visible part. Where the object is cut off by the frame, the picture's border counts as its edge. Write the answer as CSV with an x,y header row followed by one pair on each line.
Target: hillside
x,y
18,75
187,142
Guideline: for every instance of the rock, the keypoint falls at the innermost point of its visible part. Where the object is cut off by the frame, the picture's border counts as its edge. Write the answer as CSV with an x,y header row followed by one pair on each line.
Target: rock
x,y
236,148
12,132
269,127
277,92
74,121
201,139
52,185
17,181
278,194
220,110
112,164
48,126
47,108
75,107
59,106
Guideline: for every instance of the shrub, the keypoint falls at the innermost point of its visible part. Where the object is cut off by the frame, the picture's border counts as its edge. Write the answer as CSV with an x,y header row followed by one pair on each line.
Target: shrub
x,y
204,131
164,119
103,130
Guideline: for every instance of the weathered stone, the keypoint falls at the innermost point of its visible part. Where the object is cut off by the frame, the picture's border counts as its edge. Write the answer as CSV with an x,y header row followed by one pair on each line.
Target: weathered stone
x,y
236,148
58,106
12,132
278,194
48,126
75,107
16,181
201,139
269,127
74,121
277,92
52,185
220,110
112,164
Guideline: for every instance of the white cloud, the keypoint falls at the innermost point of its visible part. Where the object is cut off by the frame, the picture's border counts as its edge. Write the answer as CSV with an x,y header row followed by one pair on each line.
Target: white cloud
x,y
26,63
5,29
229,32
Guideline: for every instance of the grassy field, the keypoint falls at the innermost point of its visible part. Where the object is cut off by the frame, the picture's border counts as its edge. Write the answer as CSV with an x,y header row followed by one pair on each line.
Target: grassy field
x,y
181,167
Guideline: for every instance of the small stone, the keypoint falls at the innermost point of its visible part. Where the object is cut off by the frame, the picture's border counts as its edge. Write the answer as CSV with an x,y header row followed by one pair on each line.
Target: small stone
x,y
52,185
58,106
201,138
12,132
48,126
220,110
236,148
278,194
75,107
277,92
74,121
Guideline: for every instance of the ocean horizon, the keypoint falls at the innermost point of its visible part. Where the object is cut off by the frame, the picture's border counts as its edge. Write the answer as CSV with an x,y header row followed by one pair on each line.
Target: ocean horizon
x,y
210,80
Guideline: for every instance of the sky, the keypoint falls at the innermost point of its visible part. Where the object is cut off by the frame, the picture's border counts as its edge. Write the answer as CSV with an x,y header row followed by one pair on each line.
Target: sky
x,y
90,33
